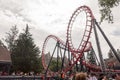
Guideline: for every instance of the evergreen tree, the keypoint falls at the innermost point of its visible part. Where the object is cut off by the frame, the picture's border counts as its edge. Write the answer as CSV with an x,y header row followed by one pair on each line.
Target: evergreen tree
x,y
25,55
53,65
2,44
11,37
110,54
40,69
118,52
91,57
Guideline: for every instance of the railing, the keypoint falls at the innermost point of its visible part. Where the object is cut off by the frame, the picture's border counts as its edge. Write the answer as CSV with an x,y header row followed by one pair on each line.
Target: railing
x,y
21,78
27,78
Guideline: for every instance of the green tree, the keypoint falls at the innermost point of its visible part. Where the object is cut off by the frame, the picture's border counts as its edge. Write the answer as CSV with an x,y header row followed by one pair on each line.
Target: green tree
x,y
91,57
110,54
2,44
40,69
11,37
53,65
106,6
25,54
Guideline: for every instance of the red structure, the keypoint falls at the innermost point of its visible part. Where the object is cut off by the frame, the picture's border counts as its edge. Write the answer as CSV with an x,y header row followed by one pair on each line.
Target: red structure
x,y
74,54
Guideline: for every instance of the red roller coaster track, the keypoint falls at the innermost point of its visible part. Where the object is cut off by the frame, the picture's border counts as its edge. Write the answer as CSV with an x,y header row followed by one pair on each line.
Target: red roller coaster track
x,y
77,53
84,45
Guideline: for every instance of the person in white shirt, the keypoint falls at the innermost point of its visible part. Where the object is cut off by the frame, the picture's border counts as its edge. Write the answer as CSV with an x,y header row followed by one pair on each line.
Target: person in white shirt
x,y
92,77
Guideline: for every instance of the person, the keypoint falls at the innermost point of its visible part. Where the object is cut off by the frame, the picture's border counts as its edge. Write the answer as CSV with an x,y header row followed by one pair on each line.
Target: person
x,y
92,77
105,77
62,75
116,77
81,76
100,76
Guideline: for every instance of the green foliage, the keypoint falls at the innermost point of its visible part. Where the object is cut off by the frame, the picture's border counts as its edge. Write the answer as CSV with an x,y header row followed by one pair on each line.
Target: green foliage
x,y
2,44
40,65
110,54
25,54
11,37
106,6
91,57
53,65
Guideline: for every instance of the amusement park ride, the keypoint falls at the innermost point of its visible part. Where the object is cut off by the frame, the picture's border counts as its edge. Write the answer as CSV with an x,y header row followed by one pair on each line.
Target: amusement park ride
x,y
70,59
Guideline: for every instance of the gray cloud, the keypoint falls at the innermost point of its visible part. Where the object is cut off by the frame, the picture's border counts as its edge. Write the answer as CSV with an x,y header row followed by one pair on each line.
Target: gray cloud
x,y
11,5
53,15
39,36
15,7
116,32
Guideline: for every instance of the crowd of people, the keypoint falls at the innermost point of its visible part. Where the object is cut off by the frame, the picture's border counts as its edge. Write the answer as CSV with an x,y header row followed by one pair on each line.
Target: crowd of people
x,y
93,76
76,76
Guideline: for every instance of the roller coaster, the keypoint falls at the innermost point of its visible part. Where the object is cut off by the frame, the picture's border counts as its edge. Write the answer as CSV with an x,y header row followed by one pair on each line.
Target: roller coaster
x,y
70,59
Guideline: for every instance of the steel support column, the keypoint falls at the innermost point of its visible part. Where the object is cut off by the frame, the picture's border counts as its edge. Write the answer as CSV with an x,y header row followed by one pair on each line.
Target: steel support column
x,y
110,45
102,64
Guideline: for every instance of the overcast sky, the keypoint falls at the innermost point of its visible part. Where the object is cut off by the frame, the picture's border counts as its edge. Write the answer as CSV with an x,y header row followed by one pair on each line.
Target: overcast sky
x,y
47,17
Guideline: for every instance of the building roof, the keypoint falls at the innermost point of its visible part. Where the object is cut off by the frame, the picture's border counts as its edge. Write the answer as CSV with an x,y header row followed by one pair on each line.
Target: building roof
x,y
4,55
